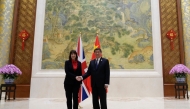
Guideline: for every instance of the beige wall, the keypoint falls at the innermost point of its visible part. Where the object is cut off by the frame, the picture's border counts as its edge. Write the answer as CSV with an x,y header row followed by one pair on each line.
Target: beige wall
x,y
129,83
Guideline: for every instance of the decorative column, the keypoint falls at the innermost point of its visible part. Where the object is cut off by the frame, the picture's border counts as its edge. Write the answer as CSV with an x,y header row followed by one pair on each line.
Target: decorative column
x,y
185,5
6,19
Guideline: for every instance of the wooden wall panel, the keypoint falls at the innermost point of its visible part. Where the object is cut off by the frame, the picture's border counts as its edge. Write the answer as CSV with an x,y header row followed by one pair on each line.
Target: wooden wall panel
x,y
170,19
24,19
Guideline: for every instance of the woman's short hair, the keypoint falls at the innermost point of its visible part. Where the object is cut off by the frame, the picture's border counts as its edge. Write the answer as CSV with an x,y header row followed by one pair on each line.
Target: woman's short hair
x,y
73,52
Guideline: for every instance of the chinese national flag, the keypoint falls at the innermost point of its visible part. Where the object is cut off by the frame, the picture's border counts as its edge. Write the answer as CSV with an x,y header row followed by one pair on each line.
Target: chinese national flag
x,y
96,45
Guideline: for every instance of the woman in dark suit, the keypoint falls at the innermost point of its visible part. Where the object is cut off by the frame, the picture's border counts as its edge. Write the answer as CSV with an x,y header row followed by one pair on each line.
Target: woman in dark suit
x,y
71,85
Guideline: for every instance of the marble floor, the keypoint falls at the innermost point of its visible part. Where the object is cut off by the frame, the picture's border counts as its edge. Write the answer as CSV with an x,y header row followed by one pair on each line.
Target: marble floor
x,y
113,103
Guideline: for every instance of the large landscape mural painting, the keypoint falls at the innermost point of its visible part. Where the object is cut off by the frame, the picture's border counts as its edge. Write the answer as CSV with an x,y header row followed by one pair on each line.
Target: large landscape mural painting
x,y
124,29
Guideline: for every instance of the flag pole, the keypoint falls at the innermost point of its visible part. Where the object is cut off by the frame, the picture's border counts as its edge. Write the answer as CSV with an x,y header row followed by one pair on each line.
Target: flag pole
x,y
80,107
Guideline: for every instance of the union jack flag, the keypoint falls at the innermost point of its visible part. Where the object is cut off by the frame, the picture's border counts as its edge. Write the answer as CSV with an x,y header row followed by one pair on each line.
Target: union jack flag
x,y
84,89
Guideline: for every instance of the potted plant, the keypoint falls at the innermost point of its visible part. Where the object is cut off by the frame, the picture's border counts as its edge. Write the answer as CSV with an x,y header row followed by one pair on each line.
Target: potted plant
x,y
10,72
180,72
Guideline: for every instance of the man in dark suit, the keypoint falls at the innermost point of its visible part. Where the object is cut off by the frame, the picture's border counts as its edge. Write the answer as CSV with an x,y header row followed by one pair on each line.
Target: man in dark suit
x,y
100,77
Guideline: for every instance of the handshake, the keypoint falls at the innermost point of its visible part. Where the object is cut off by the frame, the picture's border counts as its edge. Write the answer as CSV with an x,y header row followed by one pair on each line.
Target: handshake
x,y
79,78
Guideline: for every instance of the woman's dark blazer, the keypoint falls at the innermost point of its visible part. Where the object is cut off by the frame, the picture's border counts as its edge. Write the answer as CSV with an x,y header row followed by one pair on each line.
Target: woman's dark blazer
x,y
71,74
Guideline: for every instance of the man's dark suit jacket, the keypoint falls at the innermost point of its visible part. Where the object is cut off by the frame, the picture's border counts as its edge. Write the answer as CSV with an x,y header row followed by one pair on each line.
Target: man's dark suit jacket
x,y
71,74
100,75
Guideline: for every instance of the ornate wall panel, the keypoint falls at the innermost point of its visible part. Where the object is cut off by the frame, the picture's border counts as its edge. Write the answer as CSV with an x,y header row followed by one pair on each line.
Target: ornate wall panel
x,y
26,21
186,32
23,58
6,19
169,20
